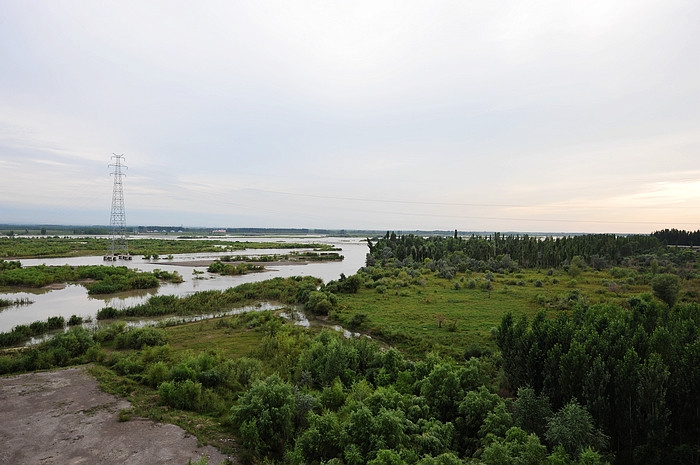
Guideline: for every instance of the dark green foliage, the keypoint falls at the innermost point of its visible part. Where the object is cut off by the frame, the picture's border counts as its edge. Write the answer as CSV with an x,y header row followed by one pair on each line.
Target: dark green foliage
x,y
320,303
9,265
233,270
678,237
573,428
493,253
63,349
666,287
23,333
633,373
55,322
108,279
531,411
107,313
264,417
517,447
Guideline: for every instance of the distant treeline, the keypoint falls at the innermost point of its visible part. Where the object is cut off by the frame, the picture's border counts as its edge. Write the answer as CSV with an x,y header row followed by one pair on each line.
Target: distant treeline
x,y
678,237
598,250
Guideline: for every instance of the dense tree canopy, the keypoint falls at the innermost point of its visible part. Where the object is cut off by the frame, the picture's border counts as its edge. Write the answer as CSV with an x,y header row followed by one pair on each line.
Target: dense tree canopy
x,y
497,253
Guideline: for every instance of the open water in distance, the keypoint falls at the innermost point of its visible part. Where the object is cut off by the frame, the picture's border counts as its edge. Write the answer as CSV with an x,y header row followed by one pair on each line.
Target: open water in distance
x,y
74,299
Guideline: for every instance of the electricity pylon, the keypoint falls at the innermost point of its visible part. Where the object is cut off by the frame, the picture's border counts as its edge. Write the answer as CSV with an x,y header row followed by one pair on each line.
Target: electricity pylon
x,y
117,220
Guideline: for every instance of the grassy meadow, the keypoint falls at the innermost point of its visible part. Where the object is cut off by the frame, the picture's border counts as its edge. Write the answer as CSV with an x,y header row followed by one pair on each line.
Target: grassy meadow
x,y
426,312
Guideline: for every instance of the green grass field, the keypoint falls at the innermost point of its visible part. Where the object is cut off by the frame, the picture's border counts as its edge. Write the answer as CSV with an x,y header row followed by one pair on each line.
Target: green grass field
x,y
430,313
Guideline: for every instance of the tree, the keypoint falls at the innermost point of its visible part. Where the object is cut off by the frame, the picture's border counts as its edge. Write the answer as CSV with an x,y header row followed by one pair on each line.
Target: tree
x,y
654,412
442,389
322,441
666,287
387,457
572,427
265,416
532,411
442,459
518,448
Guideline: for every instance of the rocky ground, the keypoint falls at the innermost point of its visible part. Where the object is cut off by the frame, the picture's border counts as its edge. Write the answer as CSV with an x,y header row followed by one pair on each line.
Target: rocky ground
x,y
62,417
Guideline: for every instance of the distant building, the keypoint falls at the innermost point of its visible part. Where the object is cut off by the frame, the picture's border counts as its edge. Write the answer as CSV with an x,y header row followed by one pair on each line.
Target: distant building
x,y
219,231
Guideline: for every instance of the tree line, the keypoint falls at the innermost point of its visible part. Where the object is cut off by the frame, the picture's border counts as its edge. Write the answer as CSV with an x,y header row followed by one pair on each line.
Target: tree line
x,y
678,237
598,250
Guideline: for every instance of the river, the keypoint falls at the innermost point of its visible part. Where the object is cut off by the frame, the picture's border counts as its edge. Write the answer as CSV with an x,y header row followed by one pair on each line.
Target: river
x,y
73,299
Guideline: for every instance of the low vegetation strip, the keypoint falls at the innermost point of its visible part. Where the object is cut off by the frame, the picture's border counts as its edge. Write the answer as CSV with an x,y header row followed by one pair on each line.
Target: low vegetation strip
x,y
54,246
98,279
12,302
227,269
295,290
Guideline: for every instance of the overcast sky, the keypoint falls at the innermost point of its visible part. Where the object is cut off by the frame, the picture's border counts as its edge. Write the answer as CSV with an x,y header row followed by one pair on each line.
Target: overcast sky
x,y
578,116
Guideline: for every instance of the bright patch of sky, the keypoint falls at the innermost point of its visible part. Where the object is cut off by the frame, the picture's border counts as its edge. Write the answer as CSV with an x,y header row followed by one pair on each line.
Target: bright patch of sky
x,y
475,115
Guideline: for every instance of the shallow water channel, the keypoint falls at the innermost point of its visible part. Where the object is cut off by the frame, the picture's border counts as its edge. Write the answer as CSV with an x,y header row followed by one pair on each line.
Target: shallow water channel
x,y
73,299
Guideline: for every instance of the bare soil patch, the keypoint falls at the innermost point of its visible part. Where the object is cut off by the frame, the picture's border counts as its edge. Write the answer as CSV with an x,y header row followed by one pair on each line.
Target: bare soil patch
x,y
62,416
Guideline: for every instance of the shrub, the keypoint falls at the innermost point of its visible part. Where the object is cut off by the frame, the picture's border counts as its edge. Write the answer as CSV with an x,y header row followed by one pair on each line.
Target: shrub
x,y
107,313
320,303
666,287
265,415
75,342
357,320
56,322
184,395
139,337
110,332
156,374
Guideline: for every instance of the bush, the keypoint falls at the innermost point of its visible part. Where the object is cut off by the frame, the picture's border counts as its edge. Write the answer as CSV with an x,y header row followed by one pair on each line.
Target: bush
x,y
107,313
157,374
184,395
265,416
320,303
75,342
140,337
666,287
110,332
357,320
56,322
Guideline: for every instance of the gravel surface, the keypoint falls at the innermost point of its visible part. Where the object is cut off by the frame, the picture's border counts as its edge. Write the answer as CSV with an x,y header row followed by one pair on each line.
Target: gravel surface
x,y
62,417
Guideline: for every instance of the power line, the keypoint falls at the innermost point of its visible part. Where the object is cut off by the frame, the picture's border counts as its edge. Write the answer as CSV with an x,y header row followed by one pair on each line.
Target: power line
x,y
452,204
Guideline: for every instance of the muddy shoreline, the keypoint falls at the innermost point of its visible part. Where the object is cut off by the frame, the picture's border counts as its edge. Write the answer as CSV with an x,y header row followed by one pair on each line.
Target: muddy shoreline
x,y
62,416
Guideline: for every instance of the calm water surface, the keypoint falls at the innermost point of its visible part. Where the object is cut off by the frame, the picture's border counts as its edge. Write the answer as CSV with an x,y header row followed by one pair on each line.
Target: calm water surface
x,y
74,300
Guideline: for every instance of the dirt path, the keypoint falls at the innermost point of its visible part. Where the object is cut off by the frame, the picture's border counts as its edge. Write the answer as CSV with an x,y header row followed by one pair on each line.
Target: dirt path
x,y
62,417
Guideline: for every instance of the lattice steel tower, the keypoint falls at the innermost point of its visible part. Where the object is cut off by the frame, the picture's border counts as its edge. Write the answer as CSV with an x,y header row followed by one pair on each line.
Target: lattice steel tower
x,y
117,222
